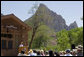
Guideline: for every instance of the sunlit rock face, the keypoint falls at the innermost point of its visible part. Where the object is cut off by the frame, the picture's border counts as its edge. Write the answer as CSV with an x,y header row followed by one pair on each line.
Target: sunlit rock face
x,y
51,19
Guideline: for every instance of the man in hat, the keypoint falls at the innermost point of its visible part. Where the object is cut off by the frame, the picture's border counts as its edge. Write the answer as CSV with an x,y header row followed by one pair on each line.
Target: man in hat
x,y
68,53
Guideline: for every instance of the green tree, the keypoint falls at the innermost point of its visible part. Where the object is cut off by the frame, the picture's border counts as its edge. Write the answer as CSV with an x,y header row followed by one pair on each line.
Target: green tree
x,y
80,36
62,40
76,36
41,37
40,41
73,36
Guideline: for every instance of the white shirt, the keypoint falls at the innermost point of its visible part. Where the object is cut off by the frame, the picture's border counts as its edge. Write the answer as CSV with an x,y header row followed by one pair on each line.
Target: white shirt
x,y
32,54
21,45
21,54
68,55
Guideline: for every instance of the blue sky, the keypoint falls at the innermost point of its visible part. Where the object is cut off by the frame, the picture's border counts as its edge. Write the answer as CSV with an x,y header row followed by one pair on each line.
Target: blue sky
x,y
70,10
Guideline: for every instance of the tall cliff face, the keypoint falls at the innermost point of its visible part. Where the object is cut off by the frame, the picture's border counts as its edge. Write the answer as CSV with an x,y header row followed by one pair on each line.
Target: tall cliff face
x,y
51,19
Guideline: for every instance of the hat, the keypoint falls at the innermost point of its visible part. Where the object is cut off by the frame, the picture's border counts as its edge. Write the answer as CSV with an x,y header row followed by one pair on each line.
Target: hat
x,y
68,51
80,46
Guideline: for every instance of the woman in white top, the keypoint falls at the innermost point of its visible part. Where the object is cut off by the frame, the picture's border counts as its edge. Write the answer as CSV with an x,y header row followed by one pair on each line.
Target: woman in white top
x,y
21,45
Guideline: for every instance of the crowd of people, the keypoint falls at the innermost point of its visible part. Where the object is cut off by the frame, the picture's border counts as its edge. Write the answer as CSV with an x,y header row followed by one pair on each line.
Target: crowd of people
x,y
78,51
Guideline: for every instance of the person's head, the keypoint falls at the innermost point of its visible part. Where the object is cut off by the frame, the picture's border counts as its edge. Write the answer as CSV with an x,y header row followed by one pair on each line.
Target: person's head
x,y
21,42
51,53
67,51
56,53
61,53
38,53
64,52
80,46
30,51
42,52
46,53
34,51
22,52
